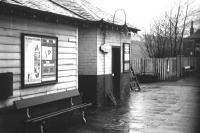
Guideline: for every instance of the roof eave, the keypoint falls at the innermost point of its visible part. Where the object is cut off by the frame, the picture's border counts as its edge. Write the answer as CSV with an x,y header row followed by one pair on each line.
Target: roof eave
x,y
131,29
22,11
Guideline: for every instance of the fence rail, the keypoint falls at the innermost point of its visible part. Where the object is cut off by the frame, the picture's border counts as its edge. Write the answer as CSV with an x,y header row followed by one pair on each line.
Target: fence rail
x,y
165,68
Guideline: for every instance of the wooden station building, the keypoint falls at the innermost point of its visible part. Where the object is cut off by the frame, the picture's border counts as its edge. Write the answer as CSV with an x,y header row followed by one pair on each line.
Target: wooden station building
x,y
53,50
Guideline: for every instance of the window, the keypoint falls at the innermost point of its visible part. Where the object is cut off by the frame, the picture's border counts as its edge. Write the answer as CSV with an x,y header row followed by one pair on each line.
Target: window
x,y
39,60
126,57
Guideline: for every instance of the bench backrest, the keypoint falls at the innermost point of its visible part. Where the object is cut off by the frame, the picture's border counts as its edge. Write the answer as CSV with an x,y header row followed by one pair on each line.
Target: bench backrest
x,y
29,102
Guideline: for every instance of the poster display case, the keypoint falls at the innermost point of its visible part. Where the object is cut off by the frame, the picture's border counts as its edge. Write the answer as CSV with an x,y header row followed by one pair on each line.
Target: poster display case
x,y
39,60
126,57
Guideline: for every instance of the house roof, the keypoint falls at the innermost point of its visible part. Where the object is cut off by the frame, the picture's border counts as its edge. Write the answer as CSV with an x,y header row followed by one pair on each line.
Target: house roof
x,y
196,35
91,12
78,9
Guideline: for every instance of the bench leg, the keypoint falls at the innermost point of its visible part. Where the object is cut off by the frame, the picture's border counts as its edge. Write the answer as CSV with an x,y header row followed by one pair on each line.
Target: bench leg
x,y
71,101
83,117
42,127
28,113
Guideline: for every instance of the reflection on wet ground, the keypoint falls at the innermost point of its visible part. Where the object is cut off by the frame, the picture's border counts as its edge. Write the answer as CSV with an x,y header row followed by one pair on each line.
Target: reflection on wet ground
x,y
167,107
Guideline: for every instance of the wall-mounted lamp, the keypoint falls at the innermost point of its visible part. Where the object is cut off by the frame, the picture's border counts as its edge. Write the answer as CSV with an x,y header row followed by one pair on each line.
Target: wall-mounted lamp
x,y
125,27
124,15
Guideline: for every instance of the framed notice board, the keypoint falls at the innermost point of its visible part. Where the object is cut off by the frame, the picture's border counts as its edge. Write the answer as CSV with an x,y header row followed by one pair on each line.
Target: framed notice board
x,y
126,57
39,60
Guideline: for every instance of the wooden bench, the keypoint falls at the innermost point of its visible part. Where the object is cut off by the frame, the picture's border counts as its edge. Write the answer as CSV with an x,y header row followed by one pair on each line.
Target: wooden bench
x,y
188,69
27,104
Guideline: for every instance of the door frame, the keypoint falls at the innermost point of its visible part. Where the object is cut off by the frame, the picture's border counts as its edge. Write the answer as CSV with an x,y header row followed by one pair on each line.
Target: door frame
x,y
116,92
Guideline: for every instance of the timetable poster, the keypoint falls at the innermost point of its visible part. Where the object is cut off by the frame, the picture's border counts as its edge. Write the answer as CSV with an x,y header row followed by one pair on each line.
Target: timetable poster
x,y
126,52
32,60
48,59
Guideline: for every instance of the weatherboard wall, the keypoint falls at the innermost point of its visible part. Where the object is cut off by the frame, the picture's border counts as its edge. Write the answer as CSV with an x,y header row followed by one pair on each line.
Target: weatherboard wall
x,y
10,55
113,38
87,51
95,67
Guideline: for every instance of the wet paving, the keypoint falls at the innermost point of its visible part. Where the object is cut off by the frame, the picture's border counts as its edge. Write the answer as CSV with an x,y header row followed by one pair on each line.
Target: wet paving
x,y
164,107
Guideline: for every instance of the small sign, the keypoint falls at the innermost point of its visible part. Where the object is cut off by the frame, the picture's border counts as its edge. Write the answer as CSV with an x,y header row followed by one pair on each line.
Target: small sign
x,y
126,57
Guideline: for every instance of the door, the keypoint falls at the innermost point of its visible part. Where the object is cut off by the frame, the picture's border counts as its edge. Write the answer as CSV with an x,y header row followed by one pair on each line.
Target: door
x,y
116,68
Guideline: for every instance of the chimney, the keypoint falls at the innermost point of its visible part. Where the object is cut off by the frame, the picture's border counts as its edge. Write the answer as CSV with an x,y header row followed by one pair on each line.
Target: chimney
x,y
191,28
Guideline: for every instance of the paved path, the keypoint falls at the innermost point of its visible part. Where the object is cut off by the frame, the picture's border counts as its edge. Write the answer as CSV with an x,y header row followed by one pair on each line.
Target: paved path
x,y
164,107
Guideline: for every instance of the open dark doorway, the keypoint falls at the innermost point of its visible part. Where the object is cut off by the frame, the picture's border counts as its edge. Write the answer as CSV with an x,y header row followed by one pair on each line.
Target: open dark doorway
x,y
116,68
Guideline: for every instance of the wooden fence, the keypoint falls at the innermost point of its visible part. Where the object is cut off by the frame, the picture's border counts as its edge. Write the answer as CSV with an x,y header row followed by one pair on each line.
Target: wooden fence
x,y
165,68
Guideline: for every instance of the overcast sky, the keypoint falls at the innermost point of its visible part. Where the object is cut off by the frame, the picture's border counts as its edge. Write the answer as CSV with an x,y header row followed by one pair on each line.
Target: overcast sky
x,y
140,13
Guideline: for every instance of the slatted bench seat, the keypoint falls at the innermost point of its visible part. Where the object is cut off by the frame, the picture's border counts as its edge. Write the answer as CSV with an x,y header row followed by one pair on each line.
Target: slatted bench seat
x,y
188,69
32,102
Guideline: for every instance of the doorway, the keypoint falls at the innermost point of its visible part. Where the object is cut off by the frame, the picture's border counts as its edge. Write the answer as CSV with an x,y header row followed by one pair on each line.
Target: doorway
x,y
116,71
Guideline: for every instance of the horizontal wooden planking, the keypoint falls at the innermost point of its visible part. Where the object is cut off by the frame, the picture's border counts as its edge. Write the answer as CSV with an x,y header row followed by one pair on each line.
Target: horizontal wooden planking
x,y
66,44
10,40
67,61
14,66
68,38
15,71
16,78
67,79
72,39
16,39
67,73
67,67
10,63
37,26
13,40
17,35
67,56
10,34
16,85
67,50
9,48
12,52
16,32
13,37
10,56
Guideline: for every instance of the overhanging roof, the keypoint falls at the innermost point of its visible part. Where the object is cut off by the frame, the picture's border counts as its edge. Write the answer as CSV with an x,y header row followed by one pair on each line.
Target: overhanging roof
x,y
75,9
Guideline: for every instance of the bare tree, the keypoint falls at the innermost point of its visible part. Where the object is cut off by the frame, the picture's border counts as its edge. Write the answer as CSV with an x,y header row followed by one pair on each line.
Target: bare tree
x,y
157,41
168,33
